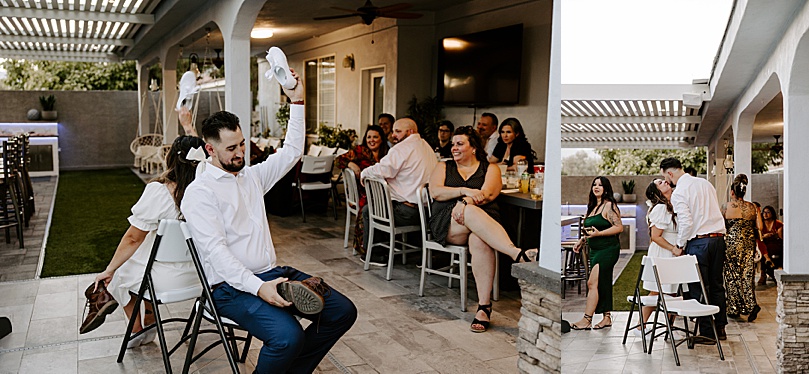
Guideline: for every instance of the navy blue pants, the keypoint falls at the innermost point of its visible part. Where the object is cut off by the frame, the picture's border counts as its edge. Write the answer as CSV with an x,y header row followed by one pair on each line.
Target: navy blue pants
x,y
288,348
710,253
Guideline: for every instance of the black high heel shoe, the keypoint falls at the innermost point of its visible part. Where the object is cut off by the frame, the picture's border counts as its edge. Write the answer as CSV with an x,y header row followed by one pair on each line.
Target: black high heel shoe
x,y
487,309
523,256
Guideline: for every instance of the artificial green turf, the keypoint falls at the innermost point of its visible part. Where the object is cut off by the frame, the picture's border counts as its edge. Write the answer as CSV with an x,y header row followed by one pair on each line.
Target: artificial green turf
x,y
625,285
89,219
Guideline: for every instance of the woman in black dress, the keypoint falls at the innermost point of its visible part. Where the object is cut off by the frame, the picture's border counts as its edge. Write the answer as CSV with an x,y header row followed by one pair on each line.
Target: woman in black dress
x,y
464,213
512,146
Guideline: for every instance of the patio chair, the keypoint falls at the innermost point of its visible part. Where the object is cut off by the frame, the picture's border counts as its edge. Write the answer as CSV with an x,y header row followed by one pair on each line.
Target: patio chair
x,y
145,146
637,301
314,150
380,213
28,187
461,251
327,151
157,162
682,270
11,210
352,200
313,167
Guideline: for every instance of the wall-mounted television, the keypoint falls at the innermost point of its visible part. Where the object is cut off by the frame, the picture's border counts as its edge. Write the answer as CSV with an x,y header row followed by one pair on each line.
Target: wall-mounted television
x,y
481,69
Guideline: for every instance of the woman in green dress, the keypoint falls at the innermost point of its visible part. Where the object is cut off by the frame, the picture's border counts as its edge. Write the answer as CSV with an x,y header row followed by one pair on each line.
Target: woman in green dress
x,y
602,225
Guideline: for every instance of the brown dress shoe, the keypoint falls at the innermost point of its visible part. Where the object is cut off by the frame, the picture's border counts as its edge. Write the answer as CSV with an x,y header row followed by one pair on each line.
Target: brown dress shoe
x,y
720,333
307,295
99,304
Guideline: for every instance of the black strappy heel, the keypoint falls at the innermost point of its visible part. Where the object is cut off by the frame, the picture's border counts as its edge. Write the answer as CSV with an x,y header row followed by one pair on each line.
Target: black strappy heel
x,y
588,326
486,309
523,256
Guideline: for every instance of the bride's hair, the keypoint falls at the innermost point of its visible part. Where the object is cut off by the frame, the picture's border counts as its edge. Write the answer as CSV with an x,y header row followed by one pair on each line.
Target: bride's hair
x,y
655,197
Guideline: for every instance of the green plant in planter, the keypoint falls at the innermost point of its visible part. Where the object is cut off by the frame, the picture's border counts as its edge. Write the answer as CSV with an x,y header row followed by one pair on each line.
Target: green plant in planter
x,y
47,102
282,116
629,186
335,137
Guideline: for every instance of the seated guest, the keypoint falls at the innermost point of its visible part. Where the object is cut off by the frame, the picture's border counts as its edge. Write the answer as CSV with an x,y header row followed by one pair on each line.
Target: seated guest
x,y
406,167
226,216
444,146
772,234
385,121
512,146
464,212
160,200
372,149
487,129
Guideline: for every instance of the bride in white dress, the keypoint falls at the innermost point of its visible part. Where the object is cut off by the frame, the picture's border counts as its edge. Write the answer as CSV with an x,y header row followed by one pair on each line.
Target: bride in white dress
x,y
663,234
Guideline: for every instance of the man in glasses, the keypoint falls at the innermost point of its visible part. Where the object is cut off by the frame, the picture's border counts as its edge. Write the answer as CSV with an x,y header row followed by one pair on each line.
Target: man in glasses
x,y
444,146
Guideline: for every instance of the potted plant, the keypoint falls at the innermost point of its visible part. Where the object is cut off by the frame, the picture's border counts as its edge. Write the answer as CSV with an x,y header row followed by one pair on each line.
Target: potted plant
x,y
629,191
335,137
48,104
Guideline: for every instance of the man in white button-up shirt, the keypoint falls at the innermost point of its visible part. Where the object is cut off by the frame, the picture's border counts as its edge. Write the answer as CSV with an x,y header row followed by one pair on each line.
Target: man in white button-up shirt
x,y
700,232
225,211
406,167
487,129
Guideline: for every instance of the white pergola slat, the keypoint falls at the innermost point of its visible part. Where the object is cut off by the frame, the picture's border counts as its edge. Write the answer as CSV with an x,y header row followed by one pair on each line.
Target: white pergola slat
x,y
629,116
71,30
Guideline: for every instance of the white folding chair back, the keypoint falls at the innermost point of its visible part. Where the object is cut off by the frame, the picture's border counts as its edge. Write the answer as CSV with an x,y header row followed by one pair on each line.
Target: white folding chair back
x,y
380,214
327,151
340,152
314,165
352,199
314,150
273,142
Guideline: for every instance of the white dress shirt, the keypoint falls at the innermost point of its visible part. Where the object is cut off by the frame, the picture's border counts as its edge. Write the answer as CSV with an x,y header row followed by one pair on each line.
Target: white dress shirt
x,y
227,218
694,201
492,142
406,167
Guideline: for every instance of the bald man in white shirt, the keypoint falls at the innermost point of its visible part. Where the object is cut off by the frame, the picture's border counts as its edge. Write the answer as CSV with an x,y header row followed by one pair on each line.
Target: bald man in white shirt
x,y
406,167
700,232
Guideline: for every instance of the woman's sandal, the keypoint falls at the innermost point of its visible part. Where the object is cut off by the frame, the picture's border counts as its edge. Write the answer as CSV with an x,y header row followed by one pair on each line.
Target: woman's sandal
x,y
588,326
599,326
486,309
523,256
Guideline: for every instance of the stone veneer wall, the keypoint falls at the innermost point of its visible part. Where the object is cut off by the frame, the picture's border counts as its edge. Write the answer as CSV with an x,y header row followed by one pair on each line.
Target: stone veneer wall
x,y
792,315
540,325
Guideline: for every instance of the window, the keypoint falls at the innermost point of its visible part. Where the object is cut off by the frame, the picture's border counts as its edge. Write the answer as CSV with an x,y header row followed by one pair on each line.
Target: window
x,y
320,93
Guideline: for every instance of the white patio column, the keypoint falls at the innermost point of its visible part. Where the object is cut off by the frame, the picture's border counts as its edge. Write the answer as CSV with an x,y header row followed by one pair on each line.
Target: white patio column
x,y
711,161
796,178
236,20
168,58
742,149
143,99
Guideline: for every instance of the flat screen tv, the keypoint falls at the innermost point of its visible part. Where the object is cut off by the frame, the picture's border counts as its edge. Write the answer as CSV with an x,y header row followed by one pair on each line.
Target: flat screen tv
x,y
481,69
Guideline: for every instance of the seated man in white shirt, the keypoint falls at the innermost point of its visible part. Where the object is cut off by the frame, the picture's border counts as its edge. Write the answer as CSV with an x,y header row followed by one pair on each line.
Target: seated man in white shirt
x,y
406,167
487,129
225,211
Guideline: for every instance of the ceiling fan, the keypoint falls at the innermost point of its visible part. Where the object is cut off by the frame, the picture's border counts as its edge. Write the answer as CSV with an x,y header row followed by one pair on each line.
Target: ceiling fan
x,y
369,12
775,148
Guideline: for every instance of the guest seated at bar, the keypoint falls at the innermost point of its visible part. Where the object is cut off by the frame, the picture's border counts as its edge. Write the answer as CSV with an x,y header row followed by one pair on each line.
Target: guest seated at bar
x,y
385,121
160,200
465,213
772,234
444,146
512,146
373,147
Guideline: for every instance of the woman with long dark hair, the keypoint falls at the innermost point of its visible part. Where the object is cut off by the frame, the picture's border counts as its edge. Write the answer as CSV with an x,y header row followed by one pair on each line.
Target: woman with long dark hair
x,y
602,225
373,148
741,222
465,213
772,234
512,146
160,200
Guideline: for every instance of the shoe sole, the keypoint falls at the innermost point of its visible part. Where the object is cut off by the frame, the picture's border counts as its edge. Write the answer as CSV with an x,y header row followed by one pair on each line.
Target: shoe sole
x,y
108,308
301,297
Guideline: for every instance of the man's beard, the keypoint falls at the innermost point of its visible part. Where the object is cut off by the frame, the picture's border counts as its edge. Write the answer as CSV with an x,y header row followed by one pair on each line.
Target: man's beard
x,y
233,167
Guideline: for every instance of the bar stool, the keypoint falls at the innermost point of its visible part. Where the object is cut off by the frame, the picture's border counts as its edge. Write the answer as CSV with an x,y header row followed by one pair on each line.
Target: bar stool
x,y
576,268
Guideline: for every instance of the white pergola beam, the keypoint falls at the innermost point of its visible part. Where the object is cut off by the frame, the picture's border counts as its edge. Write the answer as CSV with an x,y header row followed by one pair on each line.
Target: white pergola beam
x,y
66,40
78,15
638,144
60,55
628,134
572,120
644,92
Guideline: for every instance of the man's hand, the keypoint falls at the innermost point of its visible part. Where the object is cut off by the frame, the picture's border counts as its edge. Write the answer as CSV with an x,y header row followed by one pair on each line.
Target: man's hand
x,y
269,293
295,94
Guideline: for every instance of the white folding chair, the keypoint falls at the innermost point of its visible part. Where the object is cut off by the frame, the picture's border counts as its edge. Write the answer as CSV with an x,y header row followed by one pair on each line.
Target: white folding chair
x,y
646,274
352,200
327,151
273,142
682,270
340,152
461,251
380,213
315,166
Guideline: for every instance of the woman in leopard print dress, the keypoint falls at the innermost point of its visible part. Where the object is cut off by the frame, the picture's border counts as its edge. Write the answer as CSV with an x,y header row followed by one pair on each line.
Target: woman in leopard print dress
x,y
740,221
